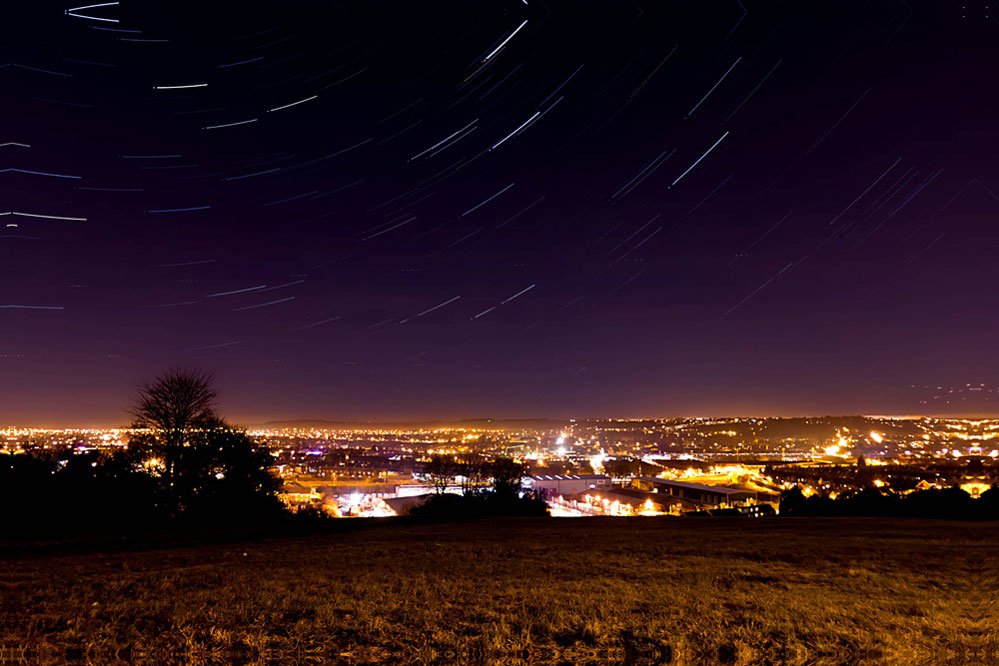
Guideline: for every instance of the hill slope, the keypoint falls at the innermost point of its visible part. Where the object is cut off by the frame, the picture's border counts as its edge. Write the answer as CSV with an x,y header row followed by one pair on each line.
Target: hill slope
x,y
539,591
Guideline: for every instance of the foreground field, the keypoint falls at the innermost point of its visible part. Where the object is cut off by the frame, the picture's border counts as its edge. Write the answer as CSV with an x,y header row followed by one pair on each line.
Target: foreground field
x,y
529,591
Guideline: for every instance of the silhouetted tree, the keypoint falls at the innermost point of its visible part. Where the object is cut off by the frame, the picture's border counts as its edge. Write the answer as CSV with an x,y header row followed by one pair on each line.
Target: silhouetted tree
x,y
989,503
869,501
951,502
204,466
170,410
224,473
66,490
506,474
470,468
793,502
503,498
441,470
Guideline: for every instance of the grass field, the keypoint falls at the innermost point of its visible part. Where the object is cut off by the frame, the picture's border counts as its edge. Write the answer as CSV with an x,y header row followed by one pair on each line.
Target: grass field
x,y
570,591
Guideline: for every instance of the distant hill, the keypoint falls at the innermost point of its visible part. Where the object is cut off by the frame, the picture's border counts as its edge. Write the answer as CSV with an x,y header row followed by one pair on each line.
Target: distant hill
x,y
499,424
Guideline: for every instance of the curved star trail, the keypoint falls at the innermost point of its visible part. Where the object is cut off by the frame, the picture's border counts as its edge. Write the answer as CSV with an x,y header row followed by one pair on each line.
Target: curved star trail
x,y
607,185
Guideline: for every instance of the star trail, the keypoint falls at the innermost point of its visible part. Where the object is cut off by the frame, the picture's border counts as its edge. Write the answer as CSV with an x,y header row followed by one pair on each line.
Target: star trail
x,y
711,208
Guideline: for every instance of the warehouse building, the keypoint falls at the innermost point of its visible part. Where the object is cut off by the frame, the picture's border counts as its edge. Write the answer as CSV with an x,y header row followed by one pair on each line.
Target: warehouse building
x,y
696,492
553,485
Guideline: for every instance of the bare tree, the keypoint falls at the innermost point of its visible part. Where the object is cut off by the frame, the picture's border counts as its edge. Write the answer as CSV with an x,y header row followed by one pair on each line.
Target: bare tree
x,y
470,469
441,470
173,407
209,468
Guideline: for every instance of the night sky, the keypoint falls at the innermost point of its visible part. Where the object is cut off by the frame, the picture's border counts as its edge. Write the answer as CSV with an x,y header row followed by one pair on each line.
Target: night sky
x,y
408,210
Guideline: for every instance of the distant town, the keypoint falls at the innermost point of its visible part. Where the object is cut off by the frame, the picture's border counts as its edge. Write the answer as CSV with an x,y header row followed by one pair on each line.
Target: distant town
x,y
698,466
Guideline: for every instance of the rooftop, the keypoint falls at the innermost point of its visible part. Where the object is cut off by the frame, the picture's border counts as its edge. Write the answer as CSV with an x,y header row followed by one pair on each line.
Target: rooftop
x,y
722,490
569,477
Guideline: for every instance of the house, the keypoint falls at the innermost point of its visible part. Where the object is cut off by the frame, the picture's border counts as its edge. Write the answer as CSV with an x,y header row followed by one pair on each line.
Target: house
x,y
294,493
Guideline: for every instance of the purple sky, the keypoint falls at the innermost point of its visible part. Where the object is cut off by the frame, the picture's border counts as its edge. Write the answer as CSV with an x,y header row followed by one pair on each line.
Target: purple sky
x,y
405,210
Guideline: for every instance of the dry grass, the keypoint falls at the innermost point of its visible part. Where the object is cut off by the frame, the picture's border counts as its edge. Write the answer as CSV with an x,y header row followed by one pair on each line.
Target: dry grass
x,y
527,591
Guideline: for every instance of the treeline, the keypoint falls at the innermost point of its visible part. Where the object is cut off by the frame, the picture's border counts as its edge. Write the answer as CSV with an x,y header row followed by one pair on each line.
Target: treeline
x,y
183,466
485,488
951,502
223,478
